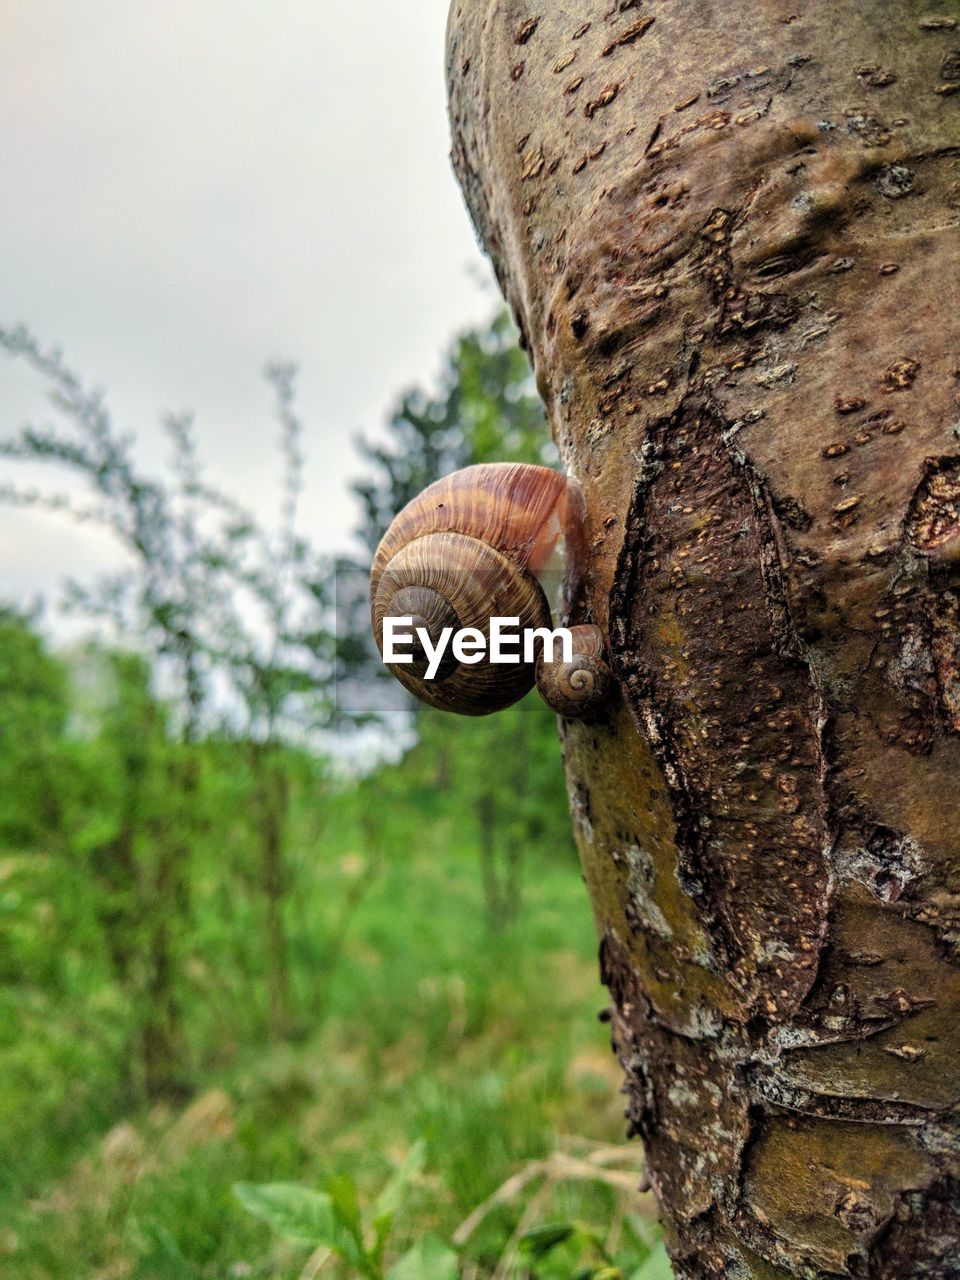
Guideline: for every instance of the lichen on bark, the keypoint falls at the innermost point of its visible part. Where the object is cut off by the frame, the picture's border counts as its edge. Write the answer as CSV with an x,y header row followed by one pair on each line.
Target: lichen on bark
x,y
730,235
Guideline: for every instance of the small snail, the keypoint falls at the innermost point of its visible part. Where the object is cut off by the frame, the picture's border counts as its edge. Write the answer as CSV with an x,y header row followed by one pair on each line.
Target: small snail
x,y
468,550
580,687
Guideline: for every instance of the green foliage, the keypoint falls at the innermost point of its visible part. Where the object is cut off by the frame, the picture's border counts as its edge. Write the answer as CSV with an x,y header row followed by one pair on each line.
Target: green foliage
x,y
428,1259
33,713
559,1250
418,1023
307,1217
331,1219
506,771
656,1267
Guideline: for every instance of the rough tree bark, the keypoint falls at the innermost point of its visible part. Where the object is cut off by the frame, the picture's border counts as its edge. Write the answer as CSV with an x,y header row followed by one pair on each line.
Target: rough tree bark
x,y
729,234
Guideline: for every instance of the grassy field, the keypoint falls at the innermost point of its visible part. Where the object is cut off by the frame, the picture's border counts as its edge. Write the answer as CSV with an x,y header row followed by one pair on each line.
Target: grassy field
x,y
418,1022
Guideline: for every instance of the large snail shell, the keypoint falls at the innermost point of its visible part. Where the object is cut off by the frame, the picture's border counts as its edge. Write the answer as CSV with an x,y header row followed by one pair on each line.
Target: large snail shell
x,y
579,688
465,550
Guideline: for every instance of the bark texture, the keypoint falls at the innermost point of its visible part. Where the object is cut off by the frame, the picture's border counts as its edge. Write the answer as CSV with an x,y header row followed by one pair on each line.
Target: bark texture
x,y
729,234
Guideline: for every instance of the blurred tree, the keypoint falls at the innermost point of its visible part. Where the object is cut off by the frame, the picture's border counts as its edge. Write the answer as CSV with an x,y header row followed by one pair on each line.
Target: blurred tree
x,y
33,713
211,599
279,650
505,771
133,848
485,409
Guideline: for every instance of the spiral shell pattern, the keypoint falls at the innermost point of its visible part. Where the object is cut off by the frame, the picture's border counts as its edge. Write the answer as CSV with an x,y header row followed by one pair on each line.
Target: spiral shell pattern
x,y
580,688
465,550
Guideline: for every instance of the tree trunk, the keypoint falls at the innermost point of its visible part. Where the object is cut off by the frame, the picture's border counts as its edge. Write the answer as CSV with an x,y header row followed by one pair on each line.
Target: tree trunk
x,y
729,234
168,910
272,793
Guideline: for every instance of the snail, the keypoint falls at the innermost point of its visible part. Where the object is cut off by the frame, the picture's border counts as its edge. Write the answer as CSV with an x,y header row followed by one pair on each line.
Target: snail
x,y
579,687
466,553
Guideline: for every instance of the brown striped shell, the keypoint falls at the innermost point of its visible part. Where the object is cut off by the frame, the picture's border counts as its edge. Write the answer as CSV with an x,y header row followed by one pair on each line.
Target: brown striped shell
x,y
577,689
465,550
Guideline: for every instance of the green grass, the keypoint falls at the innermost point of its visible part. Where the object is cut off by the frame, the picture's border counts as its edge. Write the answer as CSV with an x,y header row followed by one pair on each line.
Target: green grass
x,y
423,1023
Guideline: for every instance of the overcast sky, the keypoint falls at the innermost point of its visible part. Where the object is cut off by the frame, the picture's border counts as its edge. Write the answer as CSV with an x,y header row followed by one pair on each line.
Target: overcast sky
x,y
195,188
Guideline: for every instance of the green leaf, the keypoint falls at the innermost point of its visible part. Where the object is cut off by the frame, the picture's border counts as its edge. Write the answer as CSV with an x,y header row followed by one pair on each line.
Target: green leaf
x,y
429,1259
656,1267
163,1260
301,1215
390,1198
342,1191
539,1240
